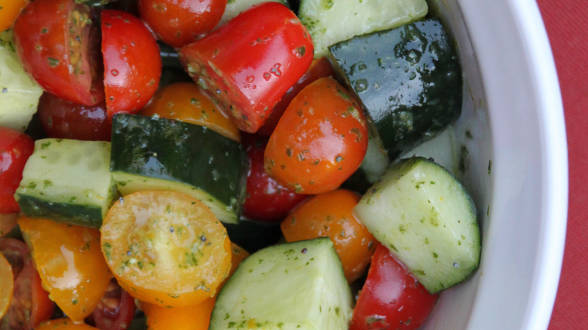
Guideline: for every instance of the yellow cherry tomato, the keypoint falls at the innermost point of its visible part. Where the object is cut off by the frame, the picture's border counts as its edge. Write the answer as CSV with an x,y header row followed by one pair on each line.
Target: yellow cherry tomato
x,y
6,285
166,248
69,262
9,10
63,324
185,101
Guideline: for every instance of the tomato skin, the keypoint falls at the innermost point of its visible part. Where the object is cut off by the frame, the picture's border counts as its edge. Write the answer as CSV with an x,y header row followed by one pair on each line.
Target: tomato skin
x,y
63,119
15,149
267,200
331,214
6,285
61,252
178,23
186,102
320,140
248,64
195,317
391,297
30,302
60,55
63,324
9,12
116,309
318,69
132,64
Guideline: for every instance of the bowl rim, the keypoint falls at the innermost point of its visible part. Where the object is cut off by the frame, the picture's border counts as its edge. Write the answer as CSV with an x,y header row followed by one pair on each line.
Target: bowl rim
x,y
555,161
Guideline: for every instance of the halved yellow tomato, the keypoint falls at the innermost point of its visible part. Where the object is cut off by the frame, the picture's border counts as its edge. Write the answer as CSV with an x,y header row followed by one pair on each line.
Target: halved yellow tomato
x,y
166,248
6,285
63,324
69,262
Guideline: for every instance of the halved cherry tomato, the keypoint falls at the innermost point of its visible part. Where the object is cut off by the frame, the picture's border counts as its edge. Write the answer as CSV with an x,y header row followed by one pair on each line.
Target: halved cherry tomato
x,y
58,45
116,309
179,22
15,149
6,285
196,317
391,297
166,248
248,64
267,200
63,119
30,303
320,140
132,64
318,69
186,102
9,12
64,324
69,262
331,214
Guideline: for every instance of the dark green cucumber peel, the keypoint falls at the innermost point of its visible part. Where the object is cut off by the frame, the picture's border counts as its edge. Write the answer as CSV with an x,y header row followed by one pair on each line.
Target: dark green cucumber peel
x,y
81,215
175,151
408,79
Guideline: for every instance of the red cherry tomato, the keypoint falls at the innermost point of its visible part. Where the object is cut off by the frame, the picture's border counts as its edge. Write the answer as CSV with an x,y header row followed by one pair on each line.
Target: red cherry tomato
x,y
179,22
116,309
391,297
15,149
320,140
318,69
132,64
63,119
30,303
58,45
267,200
248,64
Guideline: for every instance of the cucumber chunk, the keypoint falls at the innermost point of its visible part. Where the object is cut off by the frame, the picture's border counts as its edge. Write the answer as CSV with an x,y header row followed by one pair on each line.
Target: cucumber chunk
x,y
427,219
408,80
235,7
67,180
288,286
150,153
332,21
19,93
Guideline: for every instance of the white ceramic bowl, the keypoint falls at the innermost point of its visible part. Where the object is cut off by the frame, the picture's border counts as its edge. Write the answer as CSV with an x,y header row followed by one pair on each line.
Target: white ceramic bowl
x,y
512,107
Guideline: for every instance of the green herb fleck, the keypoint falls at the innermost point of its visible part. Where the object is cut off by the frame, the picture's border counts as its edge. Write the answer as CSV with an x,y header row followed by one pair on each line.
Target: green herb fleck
x,y
53,62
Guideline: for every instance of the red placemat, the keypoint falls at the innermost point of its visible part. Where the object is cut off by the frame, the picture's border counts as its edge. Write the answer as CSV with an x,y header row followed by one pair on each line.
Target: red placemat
x,y
567,26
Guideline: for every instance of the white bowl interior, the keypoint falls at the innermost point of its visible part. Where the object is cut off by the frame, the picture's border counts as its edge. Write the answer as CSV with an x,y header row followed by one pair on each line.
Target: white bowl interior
x,y
515,165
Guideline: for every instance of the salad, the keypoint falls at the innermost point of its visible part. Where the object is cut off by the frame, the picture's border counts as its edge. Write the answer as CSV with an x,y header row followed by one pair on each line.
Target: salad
x,y
240,164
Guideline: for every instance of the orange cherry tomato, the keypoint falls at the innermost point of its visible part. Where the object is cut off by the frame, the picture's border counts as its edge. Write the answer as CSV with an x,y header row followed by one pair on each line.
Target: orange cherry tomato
x,y
186,102
195,317
63,324
9,12
320,140
6,285
331,215
166,248
69,262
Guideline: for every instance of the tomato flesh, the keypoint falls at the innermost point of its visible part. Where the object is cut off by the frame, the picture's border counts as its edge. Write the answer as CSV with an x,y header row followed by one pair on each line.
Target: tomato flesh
x,y
6,285
63,119
132,64
58,45
391,297
178,23
248,64
15,149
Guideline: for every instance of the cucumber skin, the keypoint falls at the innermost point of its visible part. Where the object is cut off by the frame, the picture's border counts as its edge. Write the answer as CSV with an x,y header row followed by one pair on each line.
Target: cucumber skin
x,y
136,139
411,94
80,215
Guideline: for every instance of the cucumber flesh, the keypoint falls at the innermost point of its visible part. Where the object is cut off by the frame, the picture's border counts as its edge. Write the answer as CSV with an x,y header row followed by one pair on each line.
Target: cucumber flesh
x,y
427,219
235,7
332,21
67,180
288,286
19,93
